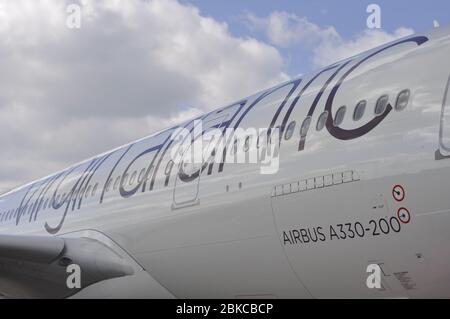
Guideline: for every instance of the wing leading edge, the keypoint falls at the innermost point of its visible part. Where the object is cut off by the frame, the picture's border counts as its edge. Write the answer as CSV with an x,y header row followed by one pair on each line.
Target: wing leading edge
x,y
36,267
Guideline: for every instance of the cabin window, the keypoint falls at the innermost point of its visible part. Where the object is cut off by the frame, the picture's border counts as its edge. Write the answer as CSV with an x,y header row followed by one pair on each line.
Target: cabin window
x,y
88,191
322,121
133,178
305,127
125,178
381,105
108,185
94,190
402,100
247,144
116,183
141,176
360,108
80,194
340,114
169,167
235,147
262,139
290,130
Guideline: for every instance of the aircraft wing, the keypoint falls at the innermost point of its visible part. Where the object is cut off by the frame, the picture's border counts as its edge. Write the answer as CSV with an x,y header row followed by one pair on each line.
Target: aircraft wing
x,y
37,267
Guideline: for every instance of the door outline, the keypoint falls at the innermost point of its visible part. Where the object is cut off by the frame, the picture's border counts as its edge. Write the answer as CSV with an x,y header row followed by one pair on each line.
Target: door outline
x,y
219,118
444,151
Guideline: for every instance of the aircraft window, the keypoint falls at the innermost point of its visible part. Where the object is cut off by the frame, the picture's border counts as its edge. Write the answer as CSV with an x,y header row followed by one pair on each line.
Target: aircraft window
x,y
88,191
270,138
360,108
261,138
322,121
381,105
339,117
274,133
80,194
235,147
125,178
402,100
108,185
116,183
94,190
141,176
247,144
290,130
133,177
305,126
168,168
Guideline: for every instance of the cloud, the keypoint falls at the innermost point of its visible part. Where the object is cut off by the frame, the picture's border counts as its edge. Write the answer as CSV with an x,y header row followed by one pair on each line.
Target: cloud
x,y
289,31
338,49
133,68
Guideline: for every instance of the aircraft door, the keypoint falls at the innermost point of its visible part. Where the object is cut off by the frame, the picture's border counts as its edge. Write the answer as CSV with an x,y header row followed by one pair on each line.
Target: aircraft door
x,y
444,134
186,189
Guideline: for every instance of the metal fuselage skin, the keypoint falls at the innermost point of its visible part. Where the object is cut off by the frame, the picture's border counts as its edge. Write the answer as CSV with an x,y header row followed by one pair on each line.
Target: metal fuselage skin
x,y
307,231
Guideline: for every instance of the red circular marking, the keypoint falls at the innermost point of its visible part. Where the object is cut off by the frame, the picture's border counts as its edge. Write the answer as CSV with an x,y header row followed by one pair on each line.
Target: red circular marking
x,y
398,189
403,215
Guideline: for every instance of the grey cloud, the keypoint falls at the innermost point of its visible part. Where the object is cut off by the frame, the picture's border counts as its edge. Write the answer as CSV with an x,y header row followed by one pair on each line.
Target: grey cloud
x,y
133,68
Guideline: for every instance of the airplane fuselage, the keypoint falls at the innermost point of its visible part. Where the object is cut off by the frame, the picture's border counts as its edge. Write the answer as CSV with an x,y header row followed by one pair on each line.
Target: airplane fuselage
x,y
360,185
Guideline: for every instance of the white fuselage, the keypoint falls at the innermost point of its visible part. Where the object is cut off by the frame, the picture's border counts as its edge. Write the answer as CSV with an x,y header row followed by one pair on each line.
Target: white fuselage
x,y
307,231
